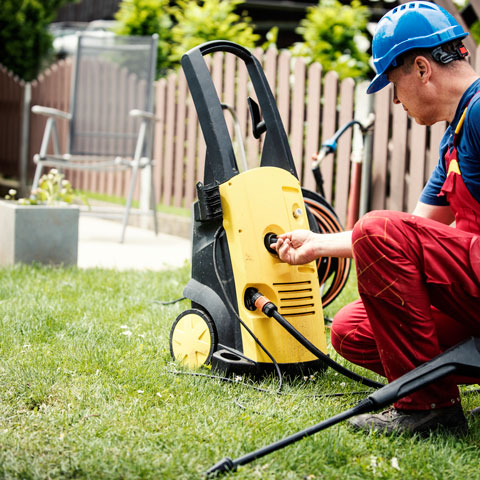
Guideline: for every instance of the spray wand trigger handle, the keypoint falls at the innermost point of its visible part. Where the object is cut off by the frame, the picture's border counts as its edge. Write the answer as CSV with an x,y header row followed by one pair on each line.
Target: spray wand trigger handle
x,y
269,240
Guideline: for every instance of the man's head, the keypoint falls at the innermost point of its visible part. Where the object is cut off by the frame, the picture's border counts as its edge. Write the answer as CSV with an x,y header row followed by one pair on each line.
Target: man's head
x,y
412,29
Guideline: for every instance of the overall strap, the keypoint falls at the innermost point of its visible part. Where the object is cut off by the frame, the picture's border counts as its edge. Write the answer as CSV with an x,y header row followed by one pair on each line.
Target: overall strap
x,y
459,126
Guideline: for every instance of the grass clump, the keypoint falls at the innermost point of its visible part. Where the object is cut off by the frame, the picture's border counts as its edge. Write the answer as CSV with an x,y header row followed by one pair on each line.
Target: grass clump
x,y
88,390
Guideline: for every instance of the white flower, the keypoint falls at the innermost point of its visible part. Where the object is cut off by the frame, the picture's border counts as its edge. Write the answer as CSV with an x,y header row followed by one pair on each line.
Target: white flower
x,y
12,192
139,391
127,333
395,463
373,463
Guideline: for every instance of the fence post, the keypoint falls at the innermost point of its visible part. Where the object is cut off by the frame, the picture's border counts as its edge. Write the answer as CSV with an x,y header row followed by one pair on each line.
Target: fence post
x,y
24,138
359,171
365,114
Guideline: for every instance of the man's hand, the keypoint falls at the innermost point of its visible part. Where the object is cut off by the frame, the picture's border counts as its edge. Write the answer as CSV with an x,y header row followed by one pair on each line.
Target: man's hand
x,y
297,247
303,246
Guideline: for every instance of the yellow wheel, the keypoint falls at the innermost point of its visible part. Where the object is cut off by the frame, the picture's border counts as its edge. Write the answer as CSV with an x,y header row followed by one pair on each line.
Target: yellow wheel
x,y
193,338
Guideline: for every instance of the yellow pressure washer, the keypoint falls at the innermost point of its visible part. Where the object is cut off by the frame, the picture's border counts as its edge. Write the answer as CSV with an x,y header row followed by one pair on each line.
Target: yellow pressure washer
x,y
236,218
250,312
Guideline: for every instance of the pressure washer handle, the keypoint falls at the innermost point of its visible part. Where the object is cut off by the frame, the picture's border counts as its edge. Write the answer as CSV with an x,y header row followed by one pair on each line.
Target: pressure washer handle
x,y
463,358
221,164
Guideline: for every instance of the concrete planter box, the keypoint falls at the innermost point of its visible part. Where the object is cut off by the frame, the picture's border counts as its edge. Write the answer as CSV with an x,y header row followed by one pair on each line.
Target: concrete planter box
x,y
38,233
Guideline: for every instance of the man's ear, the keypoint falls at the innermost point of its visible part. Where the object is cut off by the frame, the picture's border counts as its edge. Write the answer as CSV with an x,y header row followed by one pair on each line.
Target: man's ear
x,y
423,68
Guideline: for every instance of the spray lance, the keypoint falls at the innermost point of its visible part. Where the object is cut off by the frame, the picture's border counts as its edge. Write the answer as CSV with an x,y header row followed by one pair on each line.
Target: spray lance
x,y
462,359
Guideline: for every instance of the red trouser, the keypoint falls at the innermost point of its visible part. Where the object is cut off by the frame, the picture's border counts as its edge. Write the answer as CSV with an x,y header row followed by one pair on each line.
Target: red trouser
x,y
419,282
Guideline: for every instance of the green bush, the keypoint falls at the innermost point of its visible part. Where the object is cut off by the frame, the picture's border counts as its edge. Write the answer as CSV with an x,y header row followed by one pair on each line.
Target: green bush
x,y
205,20
475,31
146,17
25,43
184,26
333,35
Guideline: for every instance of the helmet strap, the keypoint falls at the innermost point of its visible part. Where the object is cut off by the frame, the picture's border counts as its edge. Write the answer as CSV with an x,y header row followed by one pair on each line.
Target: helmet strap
x,y
441,56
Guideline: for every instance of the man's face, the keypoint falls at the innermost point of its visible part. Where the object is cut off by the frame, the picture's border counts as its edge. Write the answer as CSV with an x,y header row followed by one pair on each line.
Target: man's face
x,y
410,91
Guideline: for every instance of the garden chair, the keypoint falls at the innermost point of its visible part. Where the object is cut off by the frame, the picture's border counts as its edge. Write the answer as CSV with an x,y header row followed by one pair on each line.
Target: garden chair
x,y
111,114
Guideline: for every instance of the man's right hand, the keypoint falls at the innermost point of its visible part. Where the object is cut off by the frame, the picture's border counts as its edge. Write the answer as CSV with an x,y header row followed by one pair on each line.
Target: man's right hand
x,y
303,246
297,247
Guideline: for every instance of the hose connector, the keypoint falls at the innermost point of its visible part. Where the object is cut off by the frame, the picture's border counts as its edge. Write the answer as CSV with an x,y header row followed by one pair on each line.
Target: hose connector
x,y
255,300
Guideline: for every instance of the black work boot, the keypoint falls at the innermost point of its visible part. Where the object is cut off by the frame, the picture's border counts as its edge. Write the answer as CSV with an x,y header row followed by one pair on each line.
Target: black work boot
x,y
450,419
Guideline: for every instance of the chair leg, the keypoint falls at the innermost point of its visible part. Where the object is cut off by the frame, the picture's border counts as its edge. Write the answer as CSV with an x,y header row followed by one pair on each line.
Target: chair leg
x,y
38,174
153,201
128,206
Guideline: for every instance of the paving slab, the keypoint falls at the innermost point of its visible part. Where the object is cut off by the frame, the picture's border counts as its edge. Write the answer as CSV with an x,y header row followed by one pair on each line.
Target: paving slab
x,y
99,246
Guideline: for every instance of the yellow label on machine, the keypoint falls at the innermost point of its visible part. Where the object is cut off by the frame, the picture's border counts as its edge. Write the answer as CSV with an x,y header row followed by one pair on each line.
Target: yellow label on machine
x,y
257,202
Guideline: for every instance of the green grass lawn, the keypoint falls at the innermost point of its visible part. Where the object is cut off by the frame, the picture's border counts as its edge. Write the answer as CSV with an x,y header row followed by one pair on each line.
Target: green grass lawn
x,y
88,390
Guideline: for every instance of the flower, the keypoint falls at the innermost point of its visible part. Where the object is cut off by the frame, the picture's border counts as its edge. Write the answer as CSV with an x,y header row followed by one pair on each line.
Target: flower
x,y
53,189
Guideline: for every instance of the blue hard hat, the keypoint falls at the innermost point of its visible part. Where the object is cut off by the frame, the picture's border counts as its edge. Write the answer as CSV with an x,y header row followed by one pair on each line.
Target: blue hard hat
x,y
407,27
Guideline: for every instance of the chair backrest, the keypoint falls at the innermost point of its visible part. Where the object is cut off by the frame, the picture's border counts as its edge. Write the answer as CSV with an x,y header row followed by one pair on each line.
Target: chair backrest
x,y
112,75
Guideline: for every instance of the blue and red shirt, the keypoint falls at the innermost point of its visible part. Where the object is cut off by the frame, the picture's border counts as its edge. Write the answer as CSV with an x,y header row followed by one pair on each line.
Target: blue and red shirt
x,y
468,150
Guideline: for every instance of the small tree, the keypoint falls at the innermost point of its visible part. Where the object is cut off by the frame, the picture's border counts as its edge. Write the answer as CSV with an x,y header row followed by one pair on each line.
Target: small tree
x,y
204,20
25,43
335,36
146,17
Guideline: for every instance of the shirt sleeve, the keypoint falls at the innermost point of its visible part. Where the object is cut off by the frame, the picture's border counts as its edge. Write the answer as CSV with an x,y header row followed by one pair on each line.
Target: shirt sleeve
x,y
434,185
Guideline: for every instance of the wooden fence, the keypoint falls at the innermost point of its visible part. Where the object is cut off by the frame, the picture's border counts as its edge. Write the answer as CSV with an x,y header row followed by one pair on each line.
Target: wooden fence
x,y
313,104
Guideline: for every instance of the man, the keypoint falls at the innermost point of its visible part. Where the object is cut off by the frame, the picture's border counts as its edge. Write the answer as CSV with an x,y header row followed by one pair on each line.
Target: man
x,y
418,277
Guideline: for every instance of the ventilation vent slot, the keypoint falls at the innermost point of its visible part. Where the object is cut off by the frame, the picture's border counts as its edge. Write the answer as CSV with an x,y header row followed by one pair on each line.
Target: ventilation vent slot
x,y
295,299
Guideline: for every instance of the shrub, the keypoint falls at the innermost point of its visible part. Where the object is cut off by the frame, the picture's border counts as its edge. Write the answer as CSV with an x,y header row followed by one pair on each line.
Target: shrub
x,y
335,36
25,43
184,26
146,17
204,20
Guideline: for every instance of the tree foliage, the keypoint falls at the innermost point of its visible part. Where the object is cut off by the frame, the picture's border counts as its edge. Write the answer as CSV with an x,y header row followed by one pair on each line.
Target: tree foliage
x,y
25,43
335,36
184,25
146,17
205,20
475,31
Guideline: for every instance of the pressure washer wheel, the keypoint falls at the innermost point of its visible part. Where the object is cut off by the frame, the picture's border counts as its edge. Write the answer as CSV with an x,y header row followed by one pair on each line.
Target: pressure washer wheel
x,y
193,338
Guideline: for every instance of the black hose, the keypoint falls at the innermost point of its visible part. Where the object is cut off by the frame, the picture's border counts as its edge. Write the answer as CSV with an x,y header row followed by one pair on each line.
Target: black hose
x,y
318,353
227,464
219,231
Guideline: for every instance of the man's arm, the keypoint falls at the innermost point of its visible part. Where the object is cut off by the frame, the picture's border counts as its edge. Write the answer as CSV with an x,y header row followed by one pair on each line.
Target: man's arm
x,y
440,213
303,246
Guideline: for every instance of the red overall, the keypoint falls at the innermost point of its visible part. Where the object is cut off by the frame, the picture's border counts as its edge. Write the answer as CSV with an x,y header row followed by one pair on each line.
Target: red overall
x,y
419,283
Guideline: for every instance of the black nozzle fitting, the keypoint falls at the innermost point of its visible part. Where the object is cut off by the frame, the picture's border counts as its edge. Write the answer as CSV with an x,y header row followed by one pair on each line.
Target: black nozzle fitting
x,y
269,240
251,296
224,465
